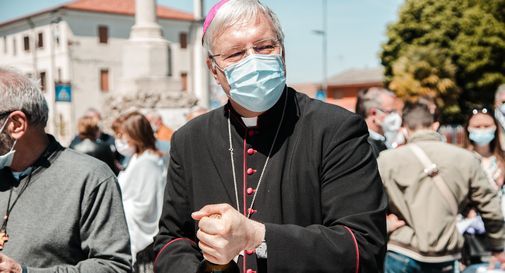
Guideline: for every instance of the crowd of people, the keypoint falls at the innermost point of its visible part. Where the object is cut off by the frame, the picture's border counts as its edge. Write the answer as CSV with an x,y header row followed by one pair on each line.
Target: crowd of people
x,y
273,181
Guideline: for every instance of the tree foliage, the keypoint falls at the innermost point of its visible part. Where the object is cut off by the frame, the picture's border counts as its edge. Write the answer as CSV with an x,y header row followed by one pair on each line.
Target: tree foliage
x,y
466,34
425,72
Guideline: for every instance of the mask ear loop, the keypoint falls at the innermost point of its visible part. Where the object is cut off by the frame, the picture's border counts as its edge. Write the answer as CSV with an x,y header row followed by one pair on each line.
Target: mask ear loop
x,y
4,125
2,130
13,145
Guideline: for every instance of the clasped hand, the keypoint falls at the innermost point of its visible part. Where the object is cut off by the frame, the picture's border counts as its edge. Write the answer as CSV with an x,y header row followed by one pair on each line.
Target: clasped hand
x,y
8,265
224,233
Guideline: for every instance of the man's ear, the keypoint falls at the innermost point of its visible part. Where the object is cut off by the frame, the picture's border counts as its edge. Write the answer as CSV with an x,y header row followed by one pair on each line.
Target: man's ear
x,y
435,126
212,68
372,112
19,124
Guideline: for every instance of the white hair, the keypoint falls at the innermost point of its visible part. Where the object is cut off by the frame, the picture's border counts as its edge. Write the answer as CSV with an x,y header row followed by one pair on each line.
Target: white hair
x,y
372,98
239,12
18,92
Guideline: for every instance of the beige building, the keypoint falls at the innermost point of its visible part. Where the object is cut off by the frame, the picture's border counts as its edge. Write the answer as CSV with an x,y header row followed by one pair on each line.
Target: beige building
x,y
87,45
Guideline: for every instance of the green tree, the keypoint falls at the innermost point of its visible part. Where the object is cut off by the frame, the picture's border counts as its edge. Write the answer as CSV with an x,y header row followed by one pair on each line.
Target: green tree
x,y
425,72
469,33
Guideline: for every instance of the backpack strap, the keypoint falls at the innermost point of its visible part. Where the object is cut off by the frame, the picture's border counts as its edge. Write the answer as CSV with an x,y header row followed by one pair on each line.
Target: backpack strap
x,y
432,171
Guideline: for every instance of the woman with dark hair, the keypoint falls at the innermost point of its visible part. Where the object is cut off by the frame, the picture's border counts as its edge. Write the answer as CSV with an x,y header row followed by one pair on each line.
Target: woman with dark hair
x,y
142,185
482,138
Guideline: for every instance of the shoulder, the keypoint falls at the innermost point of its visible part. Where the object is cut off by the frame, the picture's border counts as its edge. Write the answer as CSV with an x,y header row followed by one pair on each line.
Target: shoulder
x,y
150,161
327,116
432,148
83,167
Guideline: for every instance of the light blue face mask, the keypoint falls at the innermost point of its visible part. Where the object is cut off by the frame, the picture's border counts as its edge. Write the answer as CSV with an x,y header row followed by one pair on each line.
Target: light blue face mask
x,y
482,137
257,81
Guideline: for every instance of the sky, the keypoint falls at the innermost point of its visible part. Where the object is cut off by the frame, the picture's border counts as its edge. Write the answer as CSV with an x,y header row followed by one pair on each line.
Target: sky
x,y
356,30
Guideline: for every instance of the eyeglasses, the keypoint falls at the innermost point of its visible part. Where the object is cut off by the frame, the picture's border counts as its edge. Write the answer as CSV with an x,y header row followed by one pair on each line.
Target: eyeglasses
x,y
235,55
387,111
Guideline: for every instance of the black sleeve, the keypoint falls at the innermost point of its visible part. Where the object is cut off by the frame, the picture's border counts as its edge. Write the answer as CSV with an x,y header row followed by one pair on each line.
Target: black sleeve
x,y
353,235
175,248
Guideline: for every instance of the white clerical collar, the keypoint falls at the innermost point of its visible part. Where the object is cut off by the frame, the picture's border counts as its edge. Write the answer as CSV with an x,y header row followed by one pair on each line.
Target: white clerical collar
x,y
250,122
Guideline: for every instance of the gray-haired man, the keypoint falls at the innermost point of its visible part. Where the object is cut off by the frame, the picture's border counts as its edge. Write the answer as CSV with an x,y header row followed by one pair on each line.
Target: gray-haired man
x,y
377,107
63,210
292,180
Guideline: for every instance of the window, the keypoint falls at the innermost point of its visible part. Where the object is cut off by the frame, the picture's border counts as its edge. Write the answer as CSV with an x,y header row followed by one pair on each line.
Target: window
x,y
183,39
5,44
26,43
184,81
40,40
43,81
104,80
103,34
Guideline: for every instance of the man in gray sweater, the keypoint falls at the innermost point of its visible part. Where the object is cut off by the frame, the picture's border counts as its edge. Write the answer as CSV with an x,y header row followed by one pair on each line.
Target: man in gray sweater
x,y
61,210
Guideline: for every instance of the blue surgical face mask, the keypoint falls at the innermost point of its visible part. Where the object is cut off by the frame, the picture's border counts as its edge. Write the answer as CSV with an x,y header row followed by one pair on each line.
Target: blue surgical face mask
x,y
482,137
257,82
6,159
502,108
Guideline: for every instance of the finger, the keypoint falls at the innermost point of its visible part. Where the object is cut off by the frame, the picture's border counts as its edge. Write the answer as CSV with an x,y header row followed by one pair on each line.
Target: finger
x,y
213,226
208,250
211,258
213,241
209,210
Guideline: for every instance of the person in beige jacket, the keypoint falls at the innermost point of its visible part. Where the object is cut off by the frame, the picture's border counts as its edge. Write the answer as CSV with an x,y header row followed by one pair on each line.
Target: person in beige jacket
x,y
429,241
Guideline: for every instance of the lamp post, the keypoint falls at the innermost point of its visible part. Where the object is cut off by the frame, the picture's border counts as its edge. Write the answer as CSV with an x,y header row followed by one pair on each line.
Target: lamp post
x,y
324,33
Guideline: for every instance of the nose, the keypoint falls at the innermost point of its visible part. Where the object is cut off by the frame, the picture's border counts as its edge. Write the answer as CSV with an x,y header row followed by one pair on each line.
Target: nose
x,y
249,51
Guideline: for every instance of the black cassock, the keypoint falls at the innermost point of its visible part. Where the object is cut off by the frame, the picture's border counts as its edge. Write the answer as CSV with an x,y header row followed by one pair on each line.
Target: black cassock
x,y
321,197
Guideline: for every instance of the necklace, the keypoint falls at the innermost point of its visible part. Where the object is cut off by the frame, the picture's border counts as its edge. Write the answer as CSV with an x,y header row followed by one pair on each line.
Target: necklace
x,y
264,166
4,237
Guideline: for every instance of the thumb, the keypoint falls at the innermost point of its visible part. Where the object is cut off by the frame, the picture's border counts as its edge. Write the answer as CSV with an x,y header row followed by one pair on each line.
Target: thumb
x,y
210,210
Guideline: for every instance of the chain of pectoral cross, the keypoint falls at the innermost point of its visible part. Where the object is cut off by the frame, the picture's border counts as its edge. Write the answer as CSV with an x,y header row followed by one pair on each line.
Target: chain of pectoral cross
x,y
4,236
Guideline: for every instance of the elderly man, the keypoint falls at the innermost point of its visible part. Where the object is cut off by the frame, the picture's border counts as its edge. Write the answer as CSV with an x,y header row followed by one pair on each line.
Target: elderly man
x,y
377,107
63,210
427,182
284,182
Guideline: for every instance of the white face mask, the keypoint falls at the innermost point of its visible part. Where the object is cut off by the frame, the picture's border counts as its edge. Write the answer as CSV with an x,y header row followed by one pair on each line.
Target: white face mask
x,y
124,148
7,158
392,123
502,108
